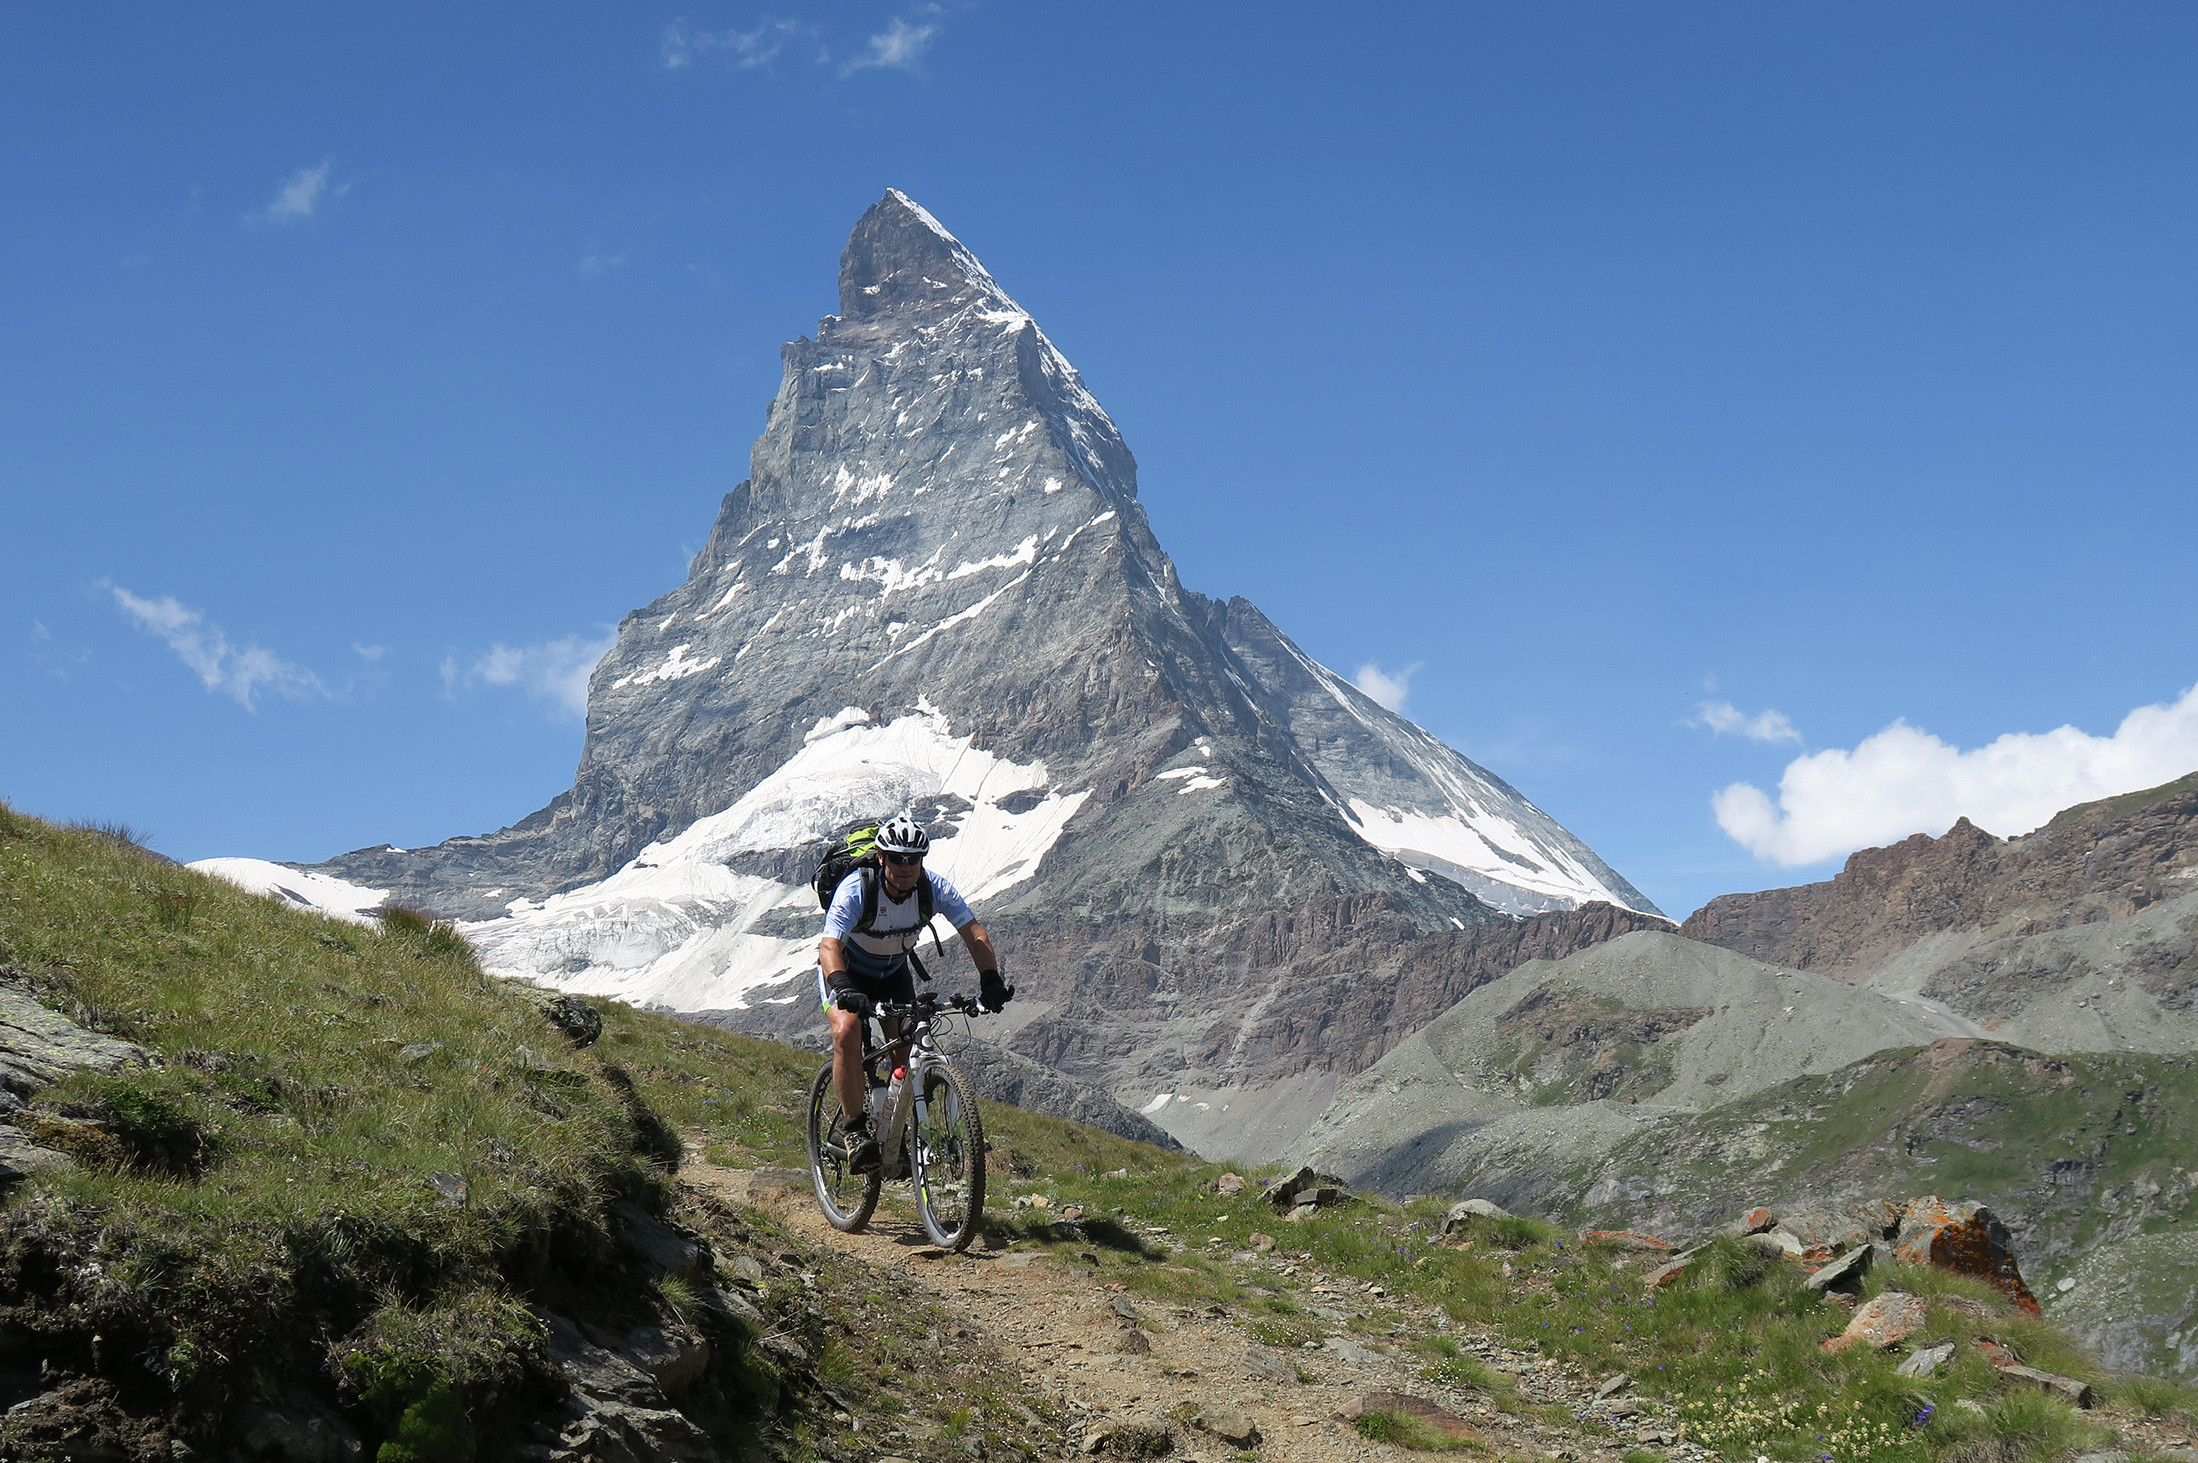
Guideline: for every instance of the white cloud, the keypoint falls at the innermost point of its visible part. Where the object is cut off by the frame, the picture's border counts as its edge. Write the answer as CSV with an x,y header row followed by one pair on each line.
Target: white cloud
x,y
596,263
370,653
235,671
901,45
1904,780
1384,688
1766,726
300,195
556,670
748,50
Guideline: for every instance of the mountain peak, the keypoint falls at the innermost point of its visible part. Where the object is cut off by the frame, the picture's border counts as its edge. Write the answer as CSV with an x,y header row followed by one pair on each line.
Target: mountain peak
x,y
899,257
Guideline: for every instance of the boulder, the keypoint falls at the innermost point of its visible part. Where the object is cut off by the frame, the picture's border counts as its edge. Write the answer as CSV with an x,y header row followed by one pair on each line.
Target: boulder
x,y
1229,1185
2068,1389
300,1427
1754,1221
1837,1231
1467,1210
1229,1425
1843,1275
656,1243
1967,1239
675,1355
1612,1386
1673,1268
1925,1363
1284,1195
1777,1242
1887,1321
38,1047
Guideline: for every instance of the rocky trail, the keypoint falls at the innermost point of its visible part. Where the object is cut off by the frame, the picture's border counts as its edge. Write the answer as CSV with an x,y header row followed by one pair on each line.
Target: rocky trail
x,y
1131,1375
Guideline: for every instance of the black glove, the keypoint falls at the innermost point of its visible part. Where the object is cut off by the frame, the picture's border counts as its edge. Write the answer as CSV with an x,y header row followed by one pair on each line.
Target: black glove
x,y
857,1003
993,992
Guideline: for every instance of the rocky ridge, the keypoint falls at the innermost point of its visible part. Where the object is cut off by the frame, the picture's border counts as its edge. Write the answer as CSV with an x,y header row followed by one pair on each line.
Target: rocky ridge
x,y
2014,1016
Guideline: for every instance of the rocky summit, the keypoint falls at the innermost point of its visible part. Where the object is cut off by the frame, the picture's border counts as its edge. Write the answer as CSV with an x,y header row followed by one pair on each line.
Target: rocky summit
x,y
1199,849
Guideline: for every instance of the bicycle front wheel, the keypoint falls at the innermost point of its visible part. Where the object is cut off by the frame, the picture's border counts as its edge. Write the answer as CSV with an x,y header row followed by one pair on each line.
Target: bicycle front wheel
x,y
947,1154
846,1197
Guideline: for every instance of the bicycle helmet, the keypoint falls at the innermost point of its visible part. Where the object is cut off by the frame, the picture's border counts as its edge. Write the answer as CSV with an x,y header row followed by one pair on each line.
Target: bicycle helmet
x,y
903,835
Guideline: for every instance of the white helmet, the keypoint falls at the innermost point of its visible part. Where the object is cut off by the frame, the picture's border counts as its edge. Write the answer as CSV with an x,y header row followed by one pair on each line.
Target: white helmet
x,y
903,834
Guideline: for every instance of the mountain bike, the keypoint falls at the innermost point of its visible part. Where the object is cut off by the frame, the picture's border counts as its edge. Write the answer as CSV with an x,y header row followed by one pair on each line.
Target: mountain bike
x,y
925,1118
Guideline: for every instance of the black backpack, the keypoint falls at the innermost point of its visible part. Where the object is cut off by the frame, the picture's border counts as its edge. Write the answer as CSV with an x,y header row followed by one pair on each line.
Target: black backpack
x,y
858,850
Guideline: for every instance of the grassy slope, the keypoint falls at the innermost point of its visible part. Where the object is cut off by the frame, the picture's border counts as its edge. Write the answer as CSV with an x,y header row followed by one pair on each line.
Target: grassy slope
x,y
2070,1149
270,1203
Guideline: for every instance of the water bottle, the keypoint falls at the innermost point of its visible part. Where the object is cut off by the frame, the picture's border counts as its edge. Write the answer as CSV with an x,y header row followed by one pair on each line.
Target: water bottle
x,y
893,1093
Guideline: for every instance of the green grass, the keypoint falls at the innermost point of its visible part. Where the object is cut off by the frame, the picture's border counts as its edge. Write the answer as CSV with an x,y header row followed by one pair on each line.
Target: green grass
x,y
279,1158
264,1197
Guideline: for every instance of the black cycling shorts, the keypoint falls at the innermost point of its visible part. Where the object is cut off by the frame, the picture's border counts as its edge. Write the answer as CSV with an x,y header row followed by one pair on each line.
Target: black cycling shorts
x,y
897,986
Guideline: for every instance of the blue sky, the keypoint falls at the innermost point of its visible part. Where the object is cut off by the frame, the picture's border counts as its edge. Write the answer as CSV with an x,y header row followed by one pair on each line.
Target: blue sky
x,y
1633,372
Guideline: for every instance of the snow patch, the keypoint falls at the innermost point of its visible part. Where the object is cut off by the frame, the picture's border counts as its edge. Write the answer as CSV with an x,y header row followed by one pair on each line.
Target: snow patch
x,y
328,895
826,725
672,927
676,667
1025,552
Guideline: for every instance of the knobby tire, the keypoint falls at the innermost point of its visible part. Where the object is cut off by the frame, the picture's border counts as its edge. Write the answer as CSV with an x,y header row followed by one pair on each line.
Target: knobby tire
x,y
834,1182
950,1144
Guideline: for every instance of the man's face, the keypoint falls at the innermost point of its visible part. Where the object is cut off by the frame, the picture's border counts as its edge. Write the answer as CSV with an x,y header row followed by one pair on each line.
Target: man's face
x,y
902,870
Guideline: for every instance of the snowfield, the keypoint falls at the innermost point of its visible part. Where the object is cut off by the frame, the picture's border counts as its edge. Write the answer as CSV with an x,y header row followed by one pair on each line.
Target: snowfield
x,y
676,926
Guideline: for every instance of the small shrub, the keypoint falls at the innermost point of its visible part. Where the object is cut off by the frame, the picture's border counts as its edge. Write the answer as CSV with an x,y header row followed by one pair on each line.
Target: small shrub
x,y
427,937
1140,1440
1404,1431
1466,1375
2157,1397
1730,1265
155,1129
433,1428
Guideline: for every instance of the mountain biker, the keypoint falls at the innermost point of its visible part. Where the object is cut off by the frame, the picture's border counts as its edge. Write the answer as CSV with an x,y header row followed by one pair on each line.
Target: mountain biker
x,y
863,962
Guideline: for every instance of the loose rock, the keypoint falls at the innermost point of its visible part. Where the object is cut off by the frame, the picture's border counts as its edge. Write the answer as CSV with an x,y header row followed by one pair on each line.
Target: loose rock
x,y
1627,1239
1230,1426
1887,1321
2067,1389
1843,1274
1467,1210
1926,1362
1436,1419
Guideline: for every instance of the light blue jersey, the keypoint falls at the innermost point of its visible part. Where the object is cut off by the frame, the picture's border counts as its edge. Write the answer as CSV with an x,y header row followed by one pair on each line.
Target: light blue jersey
x,y
894,929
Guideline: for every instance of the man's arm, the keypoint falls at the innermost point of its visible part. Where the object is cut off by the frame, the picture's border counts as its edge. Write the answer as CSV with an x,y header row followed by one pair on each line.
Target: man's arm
x,y
980,946
831,959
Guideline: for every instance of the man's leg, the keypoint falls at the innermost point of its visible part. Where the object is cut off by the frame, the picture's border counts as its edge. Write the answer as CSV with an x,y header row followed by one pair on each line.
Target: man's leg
x,y
847,1076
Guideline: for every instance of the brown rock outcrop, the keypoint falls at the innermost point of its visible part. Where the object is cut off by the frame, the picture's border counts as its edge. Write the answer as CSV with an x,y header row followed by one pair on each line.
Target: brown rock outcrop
x,y
2101,860
1967,1239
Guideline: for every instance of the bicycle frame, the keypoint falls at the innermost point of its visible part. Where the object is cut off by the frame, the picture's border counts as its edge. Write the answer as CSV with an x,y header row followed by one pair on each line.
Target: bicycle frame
x,y
899,1158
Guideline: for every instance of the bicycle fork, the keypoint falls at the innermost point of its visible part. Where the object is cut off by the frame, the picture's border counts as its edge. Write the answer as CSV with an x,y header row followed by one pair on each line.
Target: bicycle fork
x,y
911,1110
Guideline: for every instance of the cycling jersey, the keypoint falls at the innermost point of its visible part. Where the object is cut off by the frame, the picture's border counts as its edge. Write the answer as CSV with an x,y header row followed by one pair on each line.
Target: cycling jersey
x,y
897,924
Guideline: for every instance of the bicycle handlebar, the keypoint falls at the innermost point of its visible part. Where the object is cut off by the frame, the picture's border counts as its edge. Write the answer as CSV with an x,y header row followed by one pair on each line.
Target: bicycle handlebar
x,y
929,1004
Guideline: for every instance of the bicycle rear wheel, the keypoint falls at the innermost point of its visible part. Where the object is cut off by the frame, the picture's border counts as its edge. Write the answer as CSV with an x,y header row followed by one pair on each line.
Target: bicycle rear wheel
x,y
846,1197
947,1153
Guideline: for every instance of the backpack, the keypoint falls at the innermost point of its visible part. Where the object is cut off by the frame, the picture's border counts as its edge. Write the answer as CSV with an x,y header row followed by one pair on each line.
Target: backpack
x,y
858,850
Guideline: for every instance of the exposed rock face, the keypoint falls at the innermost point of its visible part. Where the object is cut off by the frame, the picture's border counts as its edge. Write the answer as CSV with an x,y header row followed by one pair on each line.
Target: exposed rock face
x,y
937,589
2103,860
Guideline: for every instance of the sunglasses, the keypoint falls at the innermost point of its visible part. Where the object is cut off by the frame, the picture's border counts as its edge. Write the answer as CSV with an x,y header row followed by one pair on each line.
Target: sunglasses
x,y
902,860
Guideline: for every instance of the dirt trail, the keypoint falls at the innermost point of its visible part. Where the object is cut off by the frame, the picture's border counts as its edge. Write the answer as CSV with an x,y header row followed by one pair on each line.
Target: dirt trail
x,y
1116,1359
